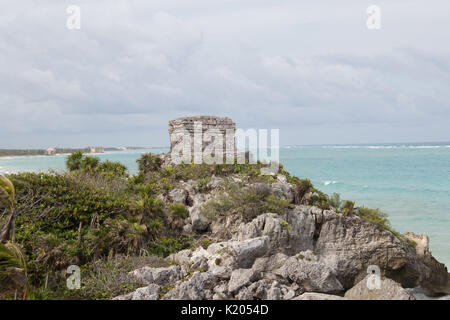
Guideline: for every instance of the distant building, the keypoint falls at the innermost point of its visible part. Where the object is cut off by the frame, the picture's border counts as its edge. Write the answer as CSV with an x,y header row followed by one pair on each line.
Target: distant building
x,y
96,150
50,151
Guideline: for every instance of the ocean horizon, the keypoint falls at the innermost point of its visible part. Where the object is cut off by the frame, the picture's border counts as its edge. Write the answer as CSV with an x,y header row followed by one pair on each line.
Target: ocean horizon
x,y
409,181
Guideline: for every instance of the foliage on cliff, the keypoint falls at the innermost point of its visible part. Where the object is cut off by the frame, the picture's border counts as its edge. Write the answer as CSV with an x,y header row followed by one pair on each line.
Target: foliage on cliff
x,y
95,212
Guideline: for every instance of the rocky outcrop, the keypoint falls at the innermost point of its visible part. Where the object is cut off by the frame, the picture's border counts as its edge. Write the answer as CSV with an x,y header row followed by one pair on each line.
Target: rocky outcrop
x,y
318,296
350,244
306,253
387,289
309,273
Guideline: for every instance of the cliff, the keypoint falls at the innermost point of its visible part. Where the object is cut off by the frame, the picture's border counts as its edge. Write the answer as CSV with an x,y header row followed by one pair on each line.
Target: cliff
x,y
301,249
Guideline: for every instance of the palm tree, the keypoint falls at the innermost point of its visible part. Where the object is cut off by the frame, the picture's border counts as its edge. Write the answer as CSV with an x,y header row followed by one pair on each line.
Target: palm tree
x,y
12,260
7,198
73,162
13,269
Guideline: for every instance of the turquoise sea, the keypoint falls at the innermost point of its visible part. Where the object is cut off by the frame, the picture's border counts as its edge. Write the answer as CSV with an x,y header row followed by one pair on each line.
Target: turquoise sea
x,y
411,182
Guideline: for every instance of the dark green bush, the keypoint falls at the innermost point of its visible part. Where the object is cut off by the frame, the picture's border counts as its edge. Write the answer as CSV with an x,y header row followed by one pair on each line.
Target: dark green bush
x,y
375,216
179,210
165,246
149,163
249,202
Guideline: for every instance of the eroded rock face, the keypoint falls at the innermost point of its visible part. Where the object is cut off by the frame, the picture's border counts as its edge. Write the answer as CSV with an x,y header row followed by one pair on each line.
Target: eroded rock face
x,y
159,276
178,196
199,287
387,290
290,233
350,244
308,272
242,277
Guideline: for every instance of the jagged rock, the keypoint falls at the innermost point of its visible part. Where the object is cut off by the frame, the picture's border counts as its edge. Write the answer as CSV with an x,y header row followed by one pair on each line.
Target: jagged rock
x,y
281,178
422,242
282,190
151,292
240,254
289,234
178,196
274,293
290,294
181,257
310,274
259,289
187,228
161,276
388,290
221,291
244,294
198,287
199,222
303,249
350,244
242,277
317,296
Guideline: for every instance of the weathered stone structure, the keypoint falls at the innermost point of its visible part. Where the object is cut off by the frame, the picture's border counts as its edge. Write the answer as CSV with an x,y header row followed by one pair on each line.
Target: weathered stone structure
x,y
202,136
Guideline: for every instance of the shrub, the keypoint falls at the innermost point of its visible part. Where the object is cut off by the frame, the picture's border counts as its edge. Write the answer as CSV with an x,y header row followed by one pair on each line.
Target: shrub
x,y
301,188
335,200
375,216
89,163
101,280
348,207
73,162
165,246
148,162
249,202
113,168
179,210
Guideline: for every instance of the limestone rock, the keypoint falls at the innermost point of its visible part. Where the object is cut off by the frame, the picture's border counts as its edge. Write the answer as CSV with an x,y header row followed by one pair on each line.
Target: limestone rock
x,y
242,277
350,244
318,296
240,254
388,290
289,234
310,274
198,287
178,196
161,276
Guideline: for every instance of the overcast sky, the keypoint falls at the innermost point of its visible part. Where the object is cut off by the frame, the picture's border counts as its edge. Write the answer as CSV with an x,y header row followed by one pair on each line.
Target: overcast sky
x,y
310,68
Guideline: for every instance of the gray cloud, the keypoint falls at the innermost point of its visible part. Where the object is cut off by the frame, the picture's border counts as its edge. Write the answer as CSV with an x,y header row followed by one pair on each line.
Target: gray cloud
x,y
312,70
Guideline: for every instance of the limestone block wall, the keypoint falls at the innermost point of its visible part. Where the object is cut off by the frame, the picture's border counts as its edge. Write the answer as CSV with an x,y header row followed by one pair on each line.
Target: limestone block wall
x,y
206,131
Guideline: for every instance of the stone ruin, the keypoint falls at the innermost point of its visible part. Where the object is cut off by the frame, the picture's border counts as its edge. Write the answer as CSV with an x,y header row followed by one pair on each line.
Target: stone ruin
x,y
203,133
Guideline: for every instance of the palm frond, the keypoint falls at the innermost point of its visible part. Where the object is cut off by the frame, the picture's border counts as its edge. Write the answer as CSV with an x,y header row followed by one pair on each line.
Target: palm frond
x,y
11,256
7,193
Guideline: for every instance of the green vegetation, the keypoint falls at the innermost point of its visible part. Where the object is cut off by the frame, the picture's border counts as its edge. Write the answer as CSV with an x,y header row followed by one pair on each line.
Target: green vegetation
x,y
249,202
165,246
90,164
13,265
179,210
98,217
335,200
375,216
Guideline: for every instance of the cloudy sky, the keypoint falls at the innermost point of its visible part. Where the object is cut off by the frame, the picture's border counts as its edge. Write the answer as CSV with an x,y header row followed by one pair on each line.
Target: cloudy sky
x,y
310,68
